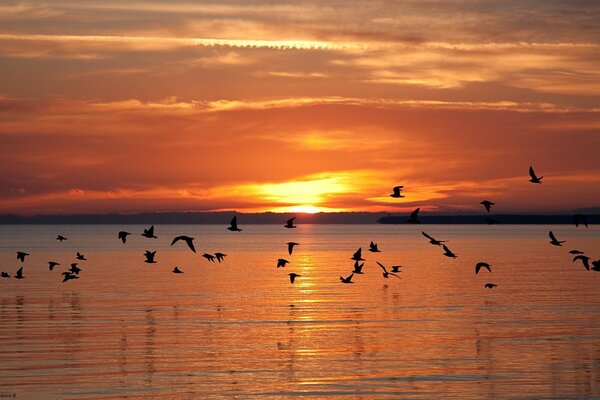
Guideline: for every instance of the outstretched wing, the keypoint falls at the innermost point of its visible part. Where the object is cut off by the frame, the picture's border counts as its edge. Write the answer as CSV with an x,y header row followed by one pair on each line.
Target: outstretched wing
x,y
427,236
532,173
382,266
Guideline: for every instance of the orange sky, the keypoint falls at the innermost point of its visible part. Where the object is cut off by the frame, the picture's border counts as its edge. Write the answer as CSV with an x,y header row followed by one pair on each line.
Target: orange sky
x,y
252,105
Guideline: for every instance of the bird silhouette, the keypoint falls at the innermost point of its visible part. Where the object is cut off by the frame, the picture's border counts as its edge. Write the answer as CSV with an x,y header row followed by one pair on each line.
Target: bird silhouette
x,y
233,225
67,276
291,247
447,252
52,264
19,274
373,248
176,270
534,178
123,236
21,255
290,224
281,262
584,259
432,240
81,257
482,265
60,238
187,239
487,204
396,192
490,285
220,256
576,252
149,233
413,219
4,274
150,257
553,240
385,272
293,277
209,257
75,269
396,268
358,255
358,267
580,219
347,279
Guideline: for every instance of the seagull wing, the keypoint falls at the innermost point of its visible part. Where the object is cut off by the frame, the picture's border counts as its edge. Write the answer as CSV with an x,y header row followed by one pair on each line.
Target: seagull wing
x,y
532,173
427,236
382,266
552,237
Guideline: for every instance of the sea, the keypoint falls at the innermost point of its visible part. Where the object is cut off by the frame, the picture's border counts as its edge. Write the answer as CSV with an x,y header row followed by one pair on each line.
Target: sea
x,y
239,329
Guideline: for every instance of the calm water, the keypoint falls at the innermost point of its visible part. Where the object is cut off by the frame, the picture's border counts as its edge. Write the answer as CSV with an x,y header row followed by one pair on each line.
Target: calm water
x,y
240,329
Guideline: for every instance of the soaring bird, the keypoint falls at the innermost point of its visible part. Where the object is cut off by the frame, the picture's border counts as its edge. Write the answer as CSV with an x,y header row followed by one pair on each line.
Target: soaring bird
x,y
67,276
21,255
209,257
291,246
396,192
385,272
52,264
584,259
149,233
19,274
4,274
281,262
396,268
187,239
580,219
60,238
220,256
150,257
447,252
75,269
348,279
81,257
576,252
413,219
358,267
176,270
123,236
373,248
290,224
432,240
487,204
357,255
482,265
534,178
234,227
490,285
293,277
554,241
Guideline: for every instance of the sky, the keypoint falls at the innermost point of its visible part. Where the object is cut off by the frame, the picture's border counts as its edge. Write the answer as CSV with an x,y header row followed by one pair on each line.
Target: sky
x,y
136,106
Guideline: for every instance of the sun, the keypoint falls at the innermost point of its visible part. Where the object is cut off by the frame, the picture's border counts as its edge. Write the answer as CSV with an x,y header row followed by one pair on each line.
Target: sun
x,y
305,209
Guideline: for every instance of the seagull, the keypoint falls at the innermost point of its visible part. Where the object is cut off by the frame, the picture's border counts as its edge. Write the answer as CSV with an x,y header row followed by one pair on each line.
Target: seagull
x,y
553,240
580,219
487,204
281,262
584,259
358,267
482,265
19,274
220,257
75,269
413,217
149,233
357,255
291,246
209,257
596,265
490,285
347,279
52,264
447,252
4,274
534,179
234,227
60,238
432,240
396,268
397,190
187,239
293,276
385,273
68,276
150,257
176,270
373,248
576,252
290,224
21,255
81,257
123,236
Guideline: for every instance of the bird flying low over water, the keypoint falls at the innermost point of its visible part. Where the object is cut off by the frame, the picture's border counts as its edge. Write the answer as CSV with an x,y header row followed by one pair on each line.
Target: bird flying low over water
x,y
396,192
4,274
67,275
176,270
348,279
413,219
19,274
490,285
432,240
584,259
60,238
580,219
487,204
281,262
396,268
75,269
576,252
149,233
554,241
385,272
123,236
293,277
233,225
373,248
291,247
81,257
447,252
534,178
482,265
21,255
187,239
358,267
358,255
52,264
290,223
209,257
220,256
150,257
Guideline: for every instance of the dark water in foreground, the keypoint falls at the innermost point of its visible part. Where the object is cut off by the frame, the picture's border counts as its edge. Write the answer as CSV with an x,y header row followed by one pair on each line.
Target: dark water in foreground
x,y
239,329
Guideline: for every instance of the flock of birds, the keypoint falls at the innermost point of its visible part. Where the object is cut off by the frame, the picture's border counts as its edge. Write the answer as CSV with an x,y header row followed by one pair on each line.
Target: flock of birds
x,y
74,270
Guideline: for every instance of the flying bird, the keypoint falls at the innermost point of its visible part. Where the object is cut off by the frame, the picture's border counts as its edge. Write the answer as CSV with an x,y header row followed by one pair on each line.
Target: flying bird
x,y
576,252
220,256
150,257
149,233
554,241
534,178
293,277
176,270
490,285
75,269
67,276
487,204
4,274
52,264
290,224
447,252
432,240
396,192
482,265
123,236
580,219
358,267
373,248
584,259
19,274
357,255
385,272
347,279
234,226
281,262
60,238
187,239
291,246
81,257
396,268
413,219
21,255
209,257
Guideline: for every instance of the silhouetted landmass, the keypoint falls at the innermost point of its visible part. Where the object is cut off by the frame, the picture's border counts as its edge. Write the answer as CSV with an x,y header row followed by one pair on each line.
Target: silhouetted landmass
x,y
280,218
